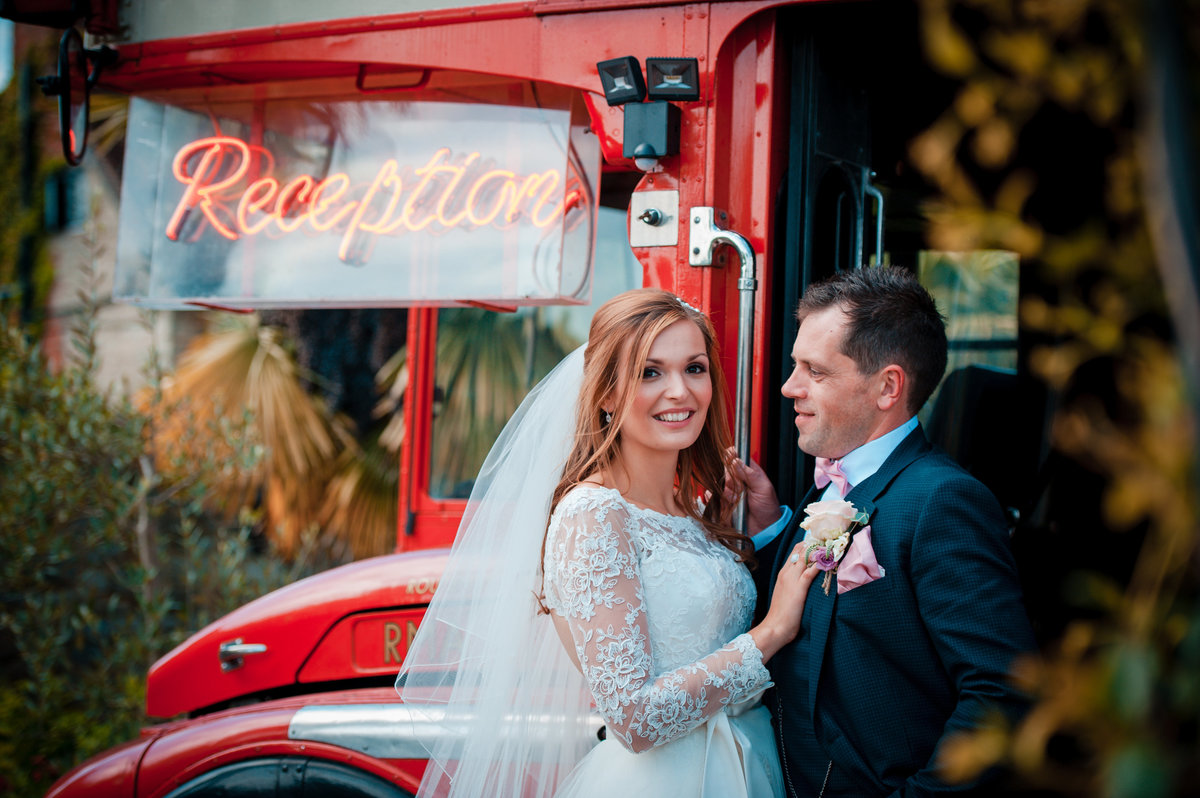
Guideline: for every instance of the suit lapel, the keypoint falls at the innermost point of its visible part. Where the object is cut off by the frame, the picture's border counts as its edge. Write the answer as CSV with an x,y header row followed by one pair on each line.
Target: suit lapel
x,y
863,497
819,612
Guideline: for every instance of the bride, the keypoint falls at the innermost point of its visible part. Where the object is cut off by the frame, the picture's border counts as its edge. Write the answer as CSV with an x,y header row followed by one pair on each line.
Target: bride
x,y
639,605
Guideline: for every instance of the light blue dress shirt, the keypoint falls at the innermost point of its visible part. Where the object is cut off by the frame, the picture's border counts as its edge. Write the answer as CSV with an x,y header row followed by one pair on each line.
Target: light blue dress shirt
x,y
857,466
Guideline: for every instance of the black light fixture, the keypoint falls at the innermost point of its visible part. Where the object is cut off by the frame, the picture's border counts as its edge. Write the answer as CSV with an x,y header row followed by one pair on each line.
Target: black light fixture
x,y
622,80
673,79
651,132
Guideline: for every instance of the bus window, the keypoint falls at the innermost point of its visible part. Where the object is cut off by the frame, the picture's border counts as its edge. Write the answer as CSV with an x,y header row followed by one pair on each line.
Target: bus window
x,y
977,293
487,361
972,413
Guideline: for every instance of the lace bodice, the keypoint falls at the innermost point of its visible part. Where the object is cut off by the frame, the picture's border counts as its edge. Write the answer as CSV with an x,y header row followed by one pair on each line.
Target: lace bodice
x,y
658,613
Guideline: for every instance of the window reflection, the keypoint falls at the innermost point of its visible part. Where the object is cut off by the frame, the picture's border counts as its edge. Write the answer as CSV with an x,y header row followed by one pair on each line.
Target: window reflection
x,y
972,413
487,362
977,293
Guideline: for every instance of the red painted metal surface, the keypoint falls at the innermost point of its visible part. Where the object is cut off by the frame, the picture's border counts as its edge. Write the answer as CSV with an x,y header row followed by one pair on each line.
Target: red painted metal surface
x,y
746,156
172,754
112,774
290,622
429,522
730,160
188,749
511,40
366,643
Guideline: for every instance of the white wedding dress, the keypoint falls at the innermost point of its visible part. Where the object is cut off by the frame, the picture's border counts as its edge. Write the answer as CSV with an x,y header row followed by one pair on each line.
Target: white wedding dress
x,y
658,613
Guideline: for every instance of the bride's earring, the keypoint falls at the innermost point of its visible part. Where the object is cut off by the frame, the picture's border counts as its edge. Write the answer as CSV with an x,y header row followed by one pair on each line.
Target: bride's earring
x,y
607,417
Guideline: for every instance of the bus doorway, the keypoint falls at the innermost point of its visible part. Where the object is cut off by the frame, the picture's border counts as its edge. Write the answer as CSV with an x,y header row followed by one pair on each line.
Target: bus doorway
x,y
861,93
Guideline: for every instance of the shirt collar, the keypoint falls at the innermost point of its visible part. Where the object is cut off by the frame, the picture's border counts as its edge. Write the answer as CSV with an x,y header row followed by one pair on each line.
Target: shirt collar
x,y
864,461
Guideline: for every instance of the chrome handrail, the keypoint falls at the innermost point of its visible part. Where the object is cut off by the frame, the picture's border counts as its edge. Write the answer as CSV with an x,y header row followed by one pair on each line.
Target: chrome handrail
x,y
705,236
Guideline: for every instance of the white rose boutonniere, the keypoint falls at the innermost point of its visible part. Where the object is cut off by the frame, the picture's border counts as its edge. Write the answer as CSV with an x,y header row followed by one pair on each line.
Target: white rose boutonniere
x,y
828,528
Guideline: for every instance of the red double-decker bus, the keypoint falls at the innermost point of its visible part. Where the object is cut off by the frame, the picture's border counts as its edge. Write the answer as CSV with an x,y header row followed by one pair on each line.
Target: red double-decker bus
x,y
528,158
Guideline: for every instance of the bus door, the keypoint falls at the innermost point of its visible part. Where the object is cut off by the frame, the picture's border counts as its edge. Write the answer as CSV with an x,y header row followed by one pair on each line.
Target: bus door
x,y
861,93
825,213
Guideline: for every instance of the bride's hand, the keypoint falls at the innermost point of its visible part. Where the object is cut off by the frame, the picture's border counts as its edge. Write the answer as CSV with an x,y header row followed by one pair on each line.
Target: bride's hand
x,y
782,623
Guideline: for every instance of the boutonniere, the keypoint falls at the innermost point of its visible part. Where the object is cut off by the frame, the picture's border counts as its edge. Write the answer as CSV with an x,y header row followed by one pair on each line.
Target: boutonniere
x,y
828,528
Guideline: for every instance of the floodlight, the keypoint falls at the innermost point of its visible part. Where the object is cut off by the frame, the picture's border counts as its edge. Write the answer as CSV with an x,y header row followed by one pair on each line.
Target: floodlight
x,y
673,78
622,80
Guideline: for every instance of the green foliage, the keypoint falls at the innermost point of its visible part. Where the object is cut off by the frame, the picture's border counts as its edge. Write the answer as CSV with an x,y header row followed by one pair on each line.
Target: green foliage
x,y
12,223
23,126
70,458
85,609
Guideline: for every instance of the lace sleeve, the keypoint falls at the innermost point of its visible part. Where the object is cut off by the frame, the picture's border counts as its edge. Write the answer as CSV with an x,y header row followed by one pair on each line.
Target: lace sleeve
x,y
594,584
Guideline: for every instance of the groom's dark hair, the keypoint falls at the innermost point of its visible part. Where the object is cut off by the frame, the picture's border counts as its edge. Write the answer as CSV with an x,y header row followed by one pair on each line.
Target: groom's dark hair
x,y
892,319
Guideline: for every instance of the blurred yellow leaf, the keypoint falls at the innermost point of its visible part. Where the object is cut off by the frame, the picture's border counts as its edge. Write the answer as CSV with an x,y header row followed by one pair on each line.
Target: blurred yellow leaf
x,y
1058,16
1066,82
933,150
975,103
994,142
1056,364
1068,255
1128,499
947,49
1105,102
1015,190
1105,334
1014,234
965,755
1025,52
1036,313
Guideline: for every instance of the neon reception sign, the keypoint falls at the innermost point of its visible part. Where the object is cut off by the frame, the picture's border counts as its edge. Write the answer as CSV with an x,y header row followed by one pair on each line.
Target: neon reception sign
x,y
435,199
441,195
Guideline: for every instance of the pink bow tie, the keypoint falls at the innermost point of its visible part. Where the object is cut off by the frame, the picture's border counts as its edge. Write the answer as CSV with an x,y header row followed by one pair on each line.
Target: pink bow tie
x,y
830,471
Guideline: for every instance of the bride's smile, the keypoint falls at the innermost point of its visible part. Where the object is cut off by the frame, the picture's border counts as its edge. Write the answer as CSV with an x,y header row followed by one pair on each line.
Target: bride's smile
x,y
673,394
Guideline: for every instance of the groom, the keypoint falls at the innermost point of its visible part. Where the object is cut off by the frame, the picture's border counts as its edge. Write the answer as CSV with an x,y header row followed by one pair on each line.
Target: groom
x,y
911,638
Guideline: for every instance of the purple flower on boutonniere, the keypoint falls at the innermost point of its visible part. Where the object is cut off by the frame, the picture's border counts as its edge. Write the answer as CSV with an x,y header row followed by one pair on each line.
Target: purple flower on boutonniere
x,y
822,557
828,527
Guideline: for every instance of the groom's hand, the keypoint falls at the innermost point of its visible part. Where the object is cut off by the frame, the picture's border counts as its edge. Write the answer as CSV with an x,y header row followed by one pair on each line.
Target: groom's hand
x,y
762,504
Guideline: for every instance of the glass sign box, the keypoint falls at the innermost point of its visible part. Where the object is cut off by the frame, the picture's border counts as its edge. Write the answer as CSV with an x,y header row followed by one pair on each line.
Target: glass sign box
x,y
483,197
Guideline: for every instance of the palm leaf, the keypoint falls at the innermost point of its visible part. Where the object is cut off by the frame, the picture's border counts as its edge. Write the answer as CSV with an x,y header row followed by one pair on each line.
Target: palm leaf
x,y
362,498
486,364
242,366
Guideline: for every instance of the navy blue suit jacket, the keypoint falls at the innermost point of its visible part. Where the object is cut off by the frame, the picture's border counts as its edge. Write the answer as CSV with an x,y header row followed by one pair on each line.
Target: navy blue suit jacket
x,y
882,673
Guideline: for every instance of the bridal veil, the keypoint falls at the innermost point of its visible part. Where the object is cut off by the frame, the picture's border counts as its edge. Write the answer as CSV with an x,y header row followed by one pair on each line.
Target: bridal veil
x,y
502,705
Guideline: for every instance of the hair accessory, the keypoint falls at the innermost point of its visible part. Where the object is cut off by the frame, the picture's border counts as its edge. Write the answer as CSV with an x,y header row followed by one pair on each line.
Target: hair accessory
x,y
689,307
